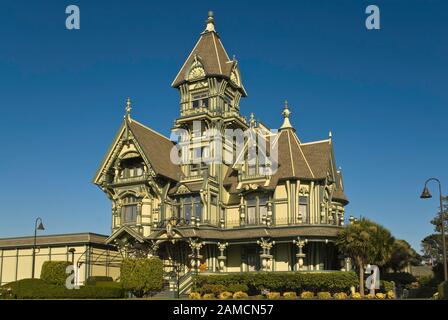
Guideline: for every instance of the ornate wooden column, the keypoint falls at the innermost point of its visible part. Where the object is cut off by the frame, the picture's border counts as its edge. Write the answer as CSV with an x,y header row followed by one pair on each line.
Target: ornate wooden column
x,y
266,256
300,244
195,256
222,258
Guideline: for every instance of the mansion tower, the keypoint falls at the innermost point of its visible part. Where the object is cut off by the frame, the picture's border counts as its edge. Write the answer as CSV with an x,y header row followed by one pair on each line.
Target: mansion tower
x,y
241,215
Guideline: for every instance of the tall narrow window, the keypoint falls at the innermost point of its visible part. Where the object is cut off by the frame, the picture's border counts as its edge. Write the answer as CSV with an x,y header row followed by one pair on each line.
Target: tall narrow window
x,y
263,207
129,210
197,207
251,203
303,209
213,219
188,210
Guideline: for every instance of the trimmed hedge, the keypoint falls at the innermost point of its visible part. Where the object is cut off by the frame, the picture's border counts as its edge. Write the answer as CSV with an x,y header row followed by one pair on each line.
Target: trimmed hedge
x,y
281,282
93,280
39,289
142,276
400,278
53,272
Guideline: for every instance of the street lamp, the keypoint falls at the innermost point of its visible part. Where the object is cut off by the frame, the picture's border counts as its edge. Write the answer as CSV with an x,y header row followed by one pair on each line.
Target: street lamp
x,y
426,195
72,251
36,227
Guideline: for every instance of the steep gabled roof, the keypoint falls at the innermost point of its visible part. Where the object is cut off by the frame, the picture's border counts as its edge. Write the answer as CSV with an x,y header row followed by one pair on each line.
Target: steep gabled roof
x,y
318,155
292,162
157,149
210,51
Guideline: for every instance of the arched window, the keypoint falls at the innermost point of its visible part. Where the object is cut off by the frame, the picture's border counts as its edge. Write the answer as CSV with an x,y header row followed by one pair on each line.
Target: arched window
x,y
129,210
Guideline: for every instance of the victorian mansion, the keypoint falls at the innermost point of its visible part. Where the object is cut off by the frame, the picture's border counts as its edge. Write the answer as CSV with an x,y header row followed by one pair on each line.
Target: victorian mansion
x,y
222,217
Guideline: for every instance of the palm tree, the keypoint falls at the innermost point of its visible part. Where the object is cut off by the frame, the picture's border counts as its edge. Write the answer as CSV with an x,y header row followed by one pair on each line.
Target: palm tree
x,y
365,242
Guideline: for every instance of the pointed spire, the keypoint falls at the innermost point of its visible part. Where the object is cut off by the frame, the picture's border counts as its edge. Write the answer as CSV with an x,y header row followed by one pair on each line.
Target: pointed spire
x,y
210,26
128,109
252,119
286,113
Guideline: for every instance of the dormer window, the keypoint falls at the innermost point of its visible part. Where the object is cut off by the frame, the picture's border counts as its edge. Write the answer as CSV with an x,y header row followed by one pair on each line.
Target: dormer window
x,y
132,167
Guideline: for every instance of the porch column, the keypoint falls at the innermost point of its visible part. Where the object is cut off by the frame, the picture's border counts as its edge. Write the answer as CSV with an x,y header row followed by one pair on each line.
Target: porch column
x,y
300,244
195,256
222,258
266,256
269,214
242,215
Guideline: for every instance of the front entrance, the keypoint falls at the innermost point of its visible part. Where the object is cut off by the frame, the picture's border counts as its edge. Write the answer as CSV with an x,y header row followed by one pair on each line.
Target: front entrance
x,y
252,258
174,257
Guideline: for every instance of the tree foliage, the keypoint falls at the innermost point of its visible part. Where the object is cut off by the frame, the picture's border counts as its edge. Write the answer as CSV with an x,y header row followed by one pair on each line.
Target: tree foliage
x,y
432,248
437,220
402,255
142,276
365,242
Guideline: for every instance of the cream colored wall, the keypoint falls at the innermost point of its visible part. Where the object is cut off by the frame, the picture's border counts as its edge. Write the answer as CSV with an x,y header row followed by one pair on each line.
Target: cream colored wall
x,y
281,213
16,264
280,192
233,217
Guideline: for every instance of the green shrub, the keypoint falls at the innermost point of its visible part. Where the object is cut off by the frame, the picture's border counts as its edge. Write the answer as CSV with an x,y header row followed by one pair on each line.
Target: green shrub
x,y
386,286
142,276
53,272
235,287
92,280
39,289
400,278
307,295
282,282
212,288
290,295
340,296
443,291
324,295
194,295
273,295
226,295
240,295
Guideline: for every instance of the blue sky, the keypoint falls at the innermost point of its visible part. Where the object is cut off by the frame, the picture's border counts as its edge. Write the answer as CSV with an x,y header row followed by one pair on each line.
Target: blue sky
x,y
383,93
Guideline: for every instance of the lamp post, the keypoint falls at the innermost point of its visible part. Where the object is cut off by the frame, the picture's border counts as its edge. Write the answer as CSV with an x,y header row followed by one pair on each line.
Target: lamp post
x,y
36,227
426,195
72,251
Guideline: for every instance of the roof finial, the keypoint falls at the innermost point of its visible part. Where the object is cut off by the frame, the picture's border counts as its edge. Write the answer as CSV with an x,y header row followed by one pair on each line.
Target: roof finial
x,y
286,113
210,22
128,109
330,134
252,120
